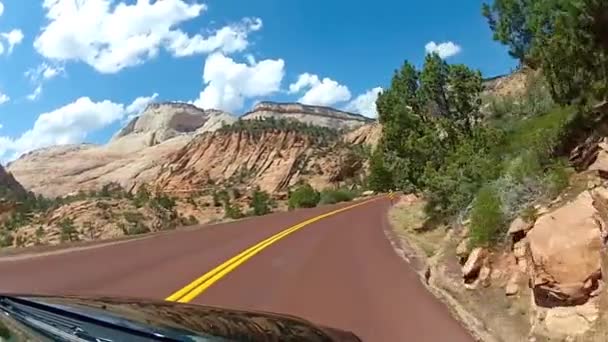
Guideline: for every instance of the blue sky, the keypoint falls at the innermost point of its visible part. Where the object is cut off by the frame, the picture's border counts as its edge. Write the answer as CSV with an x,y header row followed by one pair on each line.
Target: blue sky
x,y
75,70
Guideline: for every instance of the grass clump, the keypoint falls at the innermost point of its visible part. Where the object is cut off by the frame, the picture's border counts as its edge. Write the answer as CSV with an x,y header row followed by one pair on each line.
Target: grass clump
x,y
260,203
233,211
331,196
487,221
304,196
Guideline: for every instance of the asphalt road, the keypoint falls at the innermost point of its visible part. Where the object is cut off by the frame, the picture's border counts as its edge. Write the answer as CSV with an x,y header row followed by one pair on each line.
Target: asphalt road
x,y
339,271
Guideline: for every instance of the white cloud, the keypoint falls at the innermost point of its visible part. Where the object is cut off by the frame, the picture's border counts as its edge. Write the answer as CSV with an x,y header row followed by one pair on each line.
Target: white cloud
x,y
50,72
325,92
304,80
69,124
139,104
112,37
365,104
35,94
229,83
4,98
1,8
228,39
42,73
13,37
444,50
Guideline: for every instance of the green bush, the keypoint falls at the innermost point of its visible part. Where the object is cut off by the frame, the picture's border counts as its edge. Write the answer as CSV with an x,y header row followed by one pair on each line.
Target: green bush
x,y
142,196
233,211
380,177
321,136
473,162
487,220
529,214
163,201
6,239
304,196
133,217
138,228
541,134
331,196
68,231
260,203
189,221
556,179
220,197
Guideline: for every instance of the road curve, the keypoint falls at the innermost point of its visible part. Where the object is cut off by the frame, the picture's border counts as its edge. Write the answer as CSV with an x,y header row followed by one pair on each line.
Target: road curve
x,y
339,271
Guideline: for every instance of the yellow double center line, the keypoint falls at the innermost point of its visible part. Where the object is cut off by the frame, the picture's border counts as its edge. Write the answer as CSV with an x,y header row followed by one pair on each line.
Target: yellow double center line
x,y
195,288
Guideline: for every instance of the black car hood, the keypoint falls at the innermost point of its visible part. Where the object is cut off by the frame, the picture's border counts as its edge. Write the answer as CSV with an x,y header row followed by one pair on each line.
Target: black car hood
x,y
175,319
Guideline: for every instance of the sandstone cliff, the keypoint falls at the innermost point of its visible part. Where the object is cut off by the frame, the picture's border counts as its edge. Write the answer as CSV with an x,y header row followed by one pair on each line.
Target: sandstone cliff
x,y
9,187
315,115
272,158
134,155
137,154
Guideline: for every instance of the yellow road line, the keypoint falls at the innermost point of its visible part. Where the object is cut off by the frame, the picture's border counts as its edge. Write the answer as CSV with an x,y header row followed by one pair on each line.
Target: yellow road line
x,y
195,288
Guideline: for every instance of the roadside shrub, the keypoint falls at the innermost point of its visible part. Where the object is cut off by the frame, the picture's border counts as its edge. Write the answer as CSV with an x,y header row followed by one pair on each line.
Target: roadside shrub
x,y
475,161
260,203
142,196
556,179
133,217
164,201
331,196
541,134
189,221
487,220
220,197
515,195
529,214
303,196
232,211
6,239
380,177
68,230
138,228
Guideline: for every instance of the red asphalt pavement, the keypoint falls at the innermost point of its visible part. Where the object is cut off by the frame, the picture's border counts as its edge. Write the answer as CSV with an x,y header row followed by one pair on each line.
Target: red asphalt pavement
x,y
340,272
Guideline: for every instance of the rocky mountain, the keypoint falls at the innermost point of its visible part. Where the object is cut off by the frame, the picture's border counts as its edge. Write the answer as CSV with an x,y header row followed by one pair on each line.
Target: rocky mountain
x,y
164,132
254,154
315,115
133,156
164,168
510,84
163,121
9,187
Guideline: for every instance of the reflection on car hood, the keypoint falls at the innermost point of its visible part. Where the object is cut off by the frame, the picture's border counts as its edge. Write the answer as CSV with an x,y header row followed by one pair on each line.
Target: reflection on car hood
x,y
108,318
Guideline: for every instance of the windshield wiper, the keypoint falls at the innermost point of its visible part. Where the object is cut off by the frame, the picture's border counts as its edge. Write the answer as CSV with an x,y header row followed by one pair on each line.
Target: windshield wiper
x,y
59,323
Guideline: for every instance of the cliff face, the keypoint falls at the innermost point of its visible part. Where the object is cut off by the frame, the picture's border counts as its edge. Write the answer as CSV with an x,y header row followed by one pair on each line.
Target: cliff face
x,y
134,155
369,134
315,115
174,145
9,187
272,160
